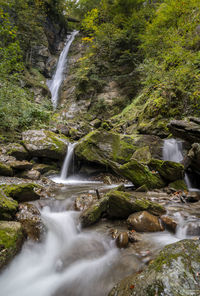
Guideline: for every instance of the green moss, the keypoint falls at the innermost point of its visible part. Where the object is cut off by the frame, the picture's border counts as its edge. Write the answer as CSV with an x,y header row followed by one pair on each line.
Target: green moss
x,y
8,206
169,170
141,175
22,192
178,185
11,239
5,170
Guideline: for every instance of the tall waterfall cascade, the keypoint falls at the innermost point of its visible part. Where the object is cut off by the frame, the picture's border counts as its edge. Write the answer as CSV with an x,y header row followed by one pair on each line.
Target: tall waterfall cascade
x,y
55,83
68,161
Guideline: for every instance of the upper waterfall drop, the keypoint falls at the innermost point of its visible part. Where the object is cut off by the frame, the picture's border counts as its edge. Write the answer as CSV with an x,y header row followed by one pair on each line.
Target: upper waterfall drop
x,y
172,150
55,83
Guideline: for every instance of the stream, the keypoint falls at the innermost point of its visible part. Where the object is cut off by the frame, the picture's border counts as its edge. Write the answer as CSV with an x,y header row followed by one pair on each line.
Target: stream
x,y
71,261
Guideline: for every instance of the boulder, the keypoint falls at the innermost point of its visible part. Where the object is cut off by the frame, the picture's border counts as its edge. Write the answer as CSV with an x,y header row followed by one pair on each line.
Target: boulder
x,y
107,148
122,204
140,175
44,143
22,192
29,217
143,155
32,175
169,170
5,170
144,222
11,240
169,223
17,150
178,185
18,165
122,240
8,207
83,202
188,130
175,271
92,214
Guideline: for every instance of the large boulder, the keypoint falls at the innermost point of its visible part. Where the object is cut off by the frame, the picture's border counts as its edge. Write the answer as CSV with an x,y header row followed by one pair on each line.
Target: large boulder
x,y
122,204
22,192
92,214
44,143
29,217
140,175
144,222
17,150
106,148
11,240
186,129
169,170
5,169
8,206
175,271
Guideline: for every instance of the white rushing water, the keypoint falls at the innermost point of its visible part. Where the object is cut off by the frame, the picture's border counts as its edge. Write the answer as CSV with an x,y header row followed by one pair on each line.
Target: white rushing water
x,y
55,83
67,162
67,262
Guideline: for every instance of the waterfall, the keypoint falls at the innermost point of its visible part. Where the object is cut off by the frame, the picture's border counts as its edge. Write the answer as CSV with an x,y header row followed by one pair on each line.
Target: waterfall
x,y
67,162
55,83
172,150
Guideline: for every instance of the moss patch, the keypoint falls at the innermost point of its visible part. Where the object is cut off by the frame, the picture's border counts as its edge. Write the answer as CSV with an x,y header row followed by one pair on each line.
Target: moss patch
x,y
8,206
22,192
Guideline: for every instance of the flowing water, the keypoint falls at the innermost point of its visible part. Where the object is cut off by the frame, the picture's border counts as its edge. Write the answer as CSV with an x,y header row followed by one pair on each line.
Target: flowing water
x,y
55,83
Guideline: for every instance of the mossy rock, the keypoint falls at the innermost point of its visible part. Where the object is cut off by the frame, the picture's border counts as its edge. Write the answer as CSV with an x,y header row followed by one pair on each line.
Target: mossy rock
x,y
175,271
178,185
22,192
142,155
94,212
140,175
44,143
11,240
18,151
122,204
5,170
8,206
102,147
169,170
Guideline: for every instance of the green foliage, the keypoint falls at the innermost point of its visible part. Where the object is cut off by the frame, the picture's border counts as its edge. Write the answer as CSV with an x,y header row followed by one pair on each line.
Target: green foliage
x,y
18,110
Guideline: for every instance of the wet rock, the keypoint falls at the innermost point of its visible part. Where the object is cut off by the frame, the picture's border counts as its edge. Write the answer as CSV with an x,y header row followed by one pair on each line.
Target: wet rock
x,y
169,223
29,217
22,192
94,212
122,204
140,175
83,202
175,271
177,185
32,175
17,150
44,143
188,130
144,222
133,236
5,170
8,207
143,155
11,240
18,165
169,170
142,188
44,168
193,196
122,240
193,158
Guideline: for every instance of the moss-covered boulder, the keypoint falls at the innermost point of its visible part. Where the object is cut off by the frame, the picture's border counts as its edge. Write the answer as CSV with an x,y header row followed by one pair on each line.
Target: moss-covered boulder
x,y
101,147
5,170
44,143
178,185
169,170
22,192
17,150
11,240
122,204
8,206
175,271
94,212
140,175
142,155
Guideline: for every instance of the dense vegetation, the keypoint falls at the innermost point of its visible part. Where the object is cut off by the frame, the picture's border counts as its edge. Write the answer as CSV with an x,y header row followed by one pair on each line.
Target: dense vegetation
x,y
22,29
151,48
